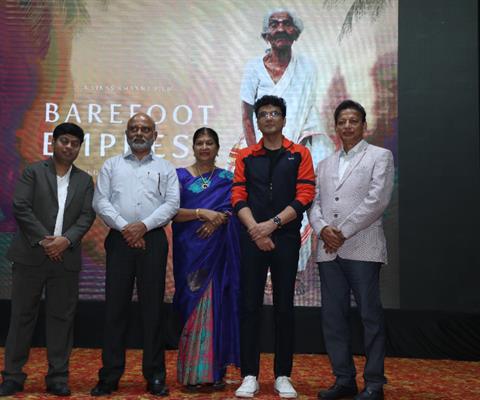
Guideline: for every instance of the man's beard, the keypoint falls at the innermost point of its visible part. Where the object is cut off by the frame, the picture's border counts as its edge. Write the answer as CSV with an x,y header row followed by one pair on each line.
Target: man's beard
x,y
145,145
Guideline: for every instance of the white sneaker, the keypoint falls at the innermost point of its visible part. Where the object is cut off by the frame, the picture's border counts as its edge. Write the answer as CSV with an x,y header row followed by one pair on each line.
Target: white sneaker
x,y
283,386
249,387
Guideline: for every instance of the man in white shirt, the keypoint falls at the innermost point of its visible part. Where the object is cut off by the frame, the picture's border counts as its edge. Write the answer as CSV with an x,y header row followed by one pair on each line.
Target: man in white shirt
x,y
137,194
52,205
354,187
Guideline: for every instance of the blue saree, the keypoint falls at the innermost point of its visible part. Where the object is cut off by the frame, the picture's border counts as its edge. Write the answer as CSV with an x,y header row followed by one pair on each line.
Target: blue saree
x,y
206,273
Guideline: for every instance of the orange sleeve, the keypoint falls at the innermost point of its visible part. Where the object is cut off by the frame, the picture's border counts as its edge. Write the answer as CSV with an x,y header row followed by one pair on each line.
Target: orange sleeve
x,y
239,189
305,182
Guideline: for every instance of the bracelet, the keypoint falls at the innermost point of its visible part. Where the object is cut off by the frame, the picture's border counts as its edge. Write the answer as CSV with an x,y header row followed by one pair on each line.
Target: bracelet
x,y
197,213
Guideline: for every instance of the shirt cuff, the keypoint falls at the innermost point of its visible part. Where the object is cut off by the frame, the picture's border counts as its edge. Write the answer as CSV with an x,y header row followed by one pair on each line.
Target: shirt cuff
x,y
120,223
70,243
347,230
319,227
298,207
241,204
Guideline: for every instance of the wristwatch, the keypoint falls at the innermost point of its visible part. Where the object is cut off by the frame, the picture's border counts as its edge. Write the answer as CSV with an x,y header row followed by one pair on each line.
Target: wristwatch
x,y
278,221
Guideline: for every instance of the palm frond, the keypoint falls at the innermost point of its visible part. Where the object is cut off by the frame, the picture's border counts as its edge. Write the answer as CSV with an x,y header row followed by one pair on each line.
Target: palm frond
x,y
39,12
74,11
357,10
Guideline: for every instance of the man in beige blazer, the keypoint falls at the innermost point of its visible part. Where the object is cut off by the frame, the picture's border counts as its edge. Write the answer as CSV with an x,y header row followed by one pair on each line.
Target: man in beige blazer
x,y
354,187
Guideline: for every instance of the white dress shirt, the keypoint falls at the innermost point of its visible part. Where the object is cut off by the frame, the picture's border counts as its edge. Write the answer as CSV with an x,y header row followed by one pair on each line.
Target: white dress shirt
x,y
345,158
132,190
62,190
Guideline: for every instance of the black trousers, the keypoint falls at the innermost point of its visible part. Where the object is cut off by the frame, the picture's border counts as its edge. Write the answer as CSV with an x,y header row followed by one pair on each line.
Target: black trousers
x,y
124,266
283,263
61,297
337,277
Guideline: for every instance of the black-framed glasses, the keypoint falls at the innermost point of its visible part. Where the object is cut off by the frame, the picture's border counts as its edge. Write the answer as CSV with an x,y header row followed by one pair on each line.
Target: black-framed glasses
x,y
274,23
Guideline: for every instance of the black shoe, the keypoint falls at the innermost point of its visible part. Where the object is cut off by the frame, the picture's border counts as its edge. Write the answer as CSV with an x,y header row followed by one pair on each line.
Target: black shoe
x,y
218,386
338,392
103,388
193,388
58,389
157,387
9,387
369,394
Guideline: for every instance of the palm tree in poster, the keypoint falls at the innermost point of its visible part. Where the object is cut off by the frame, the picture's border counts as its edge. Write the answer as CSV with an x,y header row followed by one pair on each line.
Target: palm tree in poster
x,y
357,10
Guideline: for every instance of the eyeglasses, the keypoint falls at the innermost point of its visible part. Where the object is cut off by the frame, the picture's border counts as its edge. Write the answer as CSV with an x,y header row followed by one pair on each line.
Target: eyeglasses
x,y
269,114
143,129
274,23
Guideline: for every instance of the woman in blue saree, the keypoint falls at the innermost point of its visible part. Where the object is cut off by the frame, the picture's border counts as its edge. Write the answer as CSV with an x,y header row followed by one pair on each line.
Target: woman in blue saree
x,y
206,268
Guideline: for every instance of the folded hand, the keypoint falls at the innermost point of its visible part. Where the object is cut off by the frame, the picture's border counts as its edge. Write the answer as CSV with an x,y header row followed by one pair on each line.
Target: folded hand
x,y
333,239
265,243
206,230
133,232
54,247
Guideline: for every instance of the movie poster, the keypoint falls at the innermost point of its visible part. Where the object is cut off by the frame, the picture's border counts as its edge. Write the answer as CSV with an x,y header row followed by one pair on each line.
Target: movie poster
x,y
187,64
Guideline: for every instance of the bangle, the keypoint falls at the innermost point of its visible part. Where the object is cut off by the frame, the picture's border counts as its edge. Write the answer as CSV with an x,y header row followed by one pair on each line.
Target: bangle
x,y
197,213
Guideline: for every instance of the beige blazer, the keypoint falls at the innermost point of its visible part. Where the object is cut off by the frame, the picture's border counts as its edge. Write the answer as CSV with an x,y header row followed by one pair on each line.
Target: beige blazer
x,y
354,204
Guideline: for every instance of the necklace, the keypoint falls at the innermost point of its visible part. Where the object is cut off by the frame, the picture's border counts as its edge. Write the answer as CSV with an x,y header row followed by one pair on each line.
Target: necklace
x,y
205,182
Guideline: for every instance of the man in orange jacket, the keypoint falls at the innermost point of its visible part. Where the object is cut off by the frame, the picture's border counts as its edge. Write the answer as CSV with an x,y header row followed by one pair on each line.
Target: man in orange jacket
x,y
274,184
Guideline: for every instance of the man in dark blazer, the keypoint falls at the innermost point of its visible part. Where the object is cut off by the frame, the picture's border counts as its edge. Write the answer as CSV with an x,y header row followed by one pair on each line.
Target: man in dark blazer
x,y
52,205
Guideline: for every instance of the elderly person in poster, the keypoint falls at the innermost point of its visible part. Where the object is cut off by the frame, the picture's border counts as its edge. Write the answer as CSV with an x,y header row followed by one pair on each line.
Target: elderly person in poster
x,y
280,73
354,187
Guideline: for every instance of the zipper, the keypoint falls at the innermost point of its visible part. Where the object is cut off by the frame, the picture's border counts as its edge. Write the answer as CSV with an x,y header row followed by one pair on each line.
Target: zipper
x,y
271,168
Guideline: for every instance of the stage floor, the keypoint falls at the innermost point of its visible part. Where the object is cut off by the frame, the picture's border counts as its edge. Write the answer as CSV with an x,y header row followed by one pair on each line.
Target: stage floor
x,y
408,378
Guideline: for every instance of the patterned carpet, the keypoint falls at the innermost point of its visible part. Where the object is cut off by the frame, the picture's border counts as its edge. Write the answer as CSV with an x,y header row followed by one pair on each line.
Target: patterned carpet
x,y
408,378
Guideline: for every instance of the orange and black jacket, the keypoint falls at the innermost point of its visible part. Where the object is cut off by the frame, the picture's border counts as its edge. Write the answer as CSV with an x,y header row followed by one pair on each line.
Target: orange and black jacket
x,y
267,189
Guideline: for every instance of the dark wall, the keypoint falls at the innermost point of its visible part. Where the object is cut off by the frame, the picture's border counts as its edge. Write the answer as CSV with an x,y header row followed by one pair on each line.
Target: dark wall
x,y
439,155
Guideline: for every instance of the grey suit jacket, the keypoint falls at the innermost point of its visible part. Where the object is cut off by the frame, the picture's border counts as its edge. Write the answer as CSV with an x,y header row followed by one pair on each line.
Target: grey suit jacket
x,y
355,203
35,207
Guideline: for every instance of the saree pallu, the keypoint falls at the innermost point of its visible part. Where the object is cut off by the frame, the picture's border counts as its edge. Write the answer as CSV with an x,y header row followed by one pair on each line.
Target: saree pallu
x,y
206,273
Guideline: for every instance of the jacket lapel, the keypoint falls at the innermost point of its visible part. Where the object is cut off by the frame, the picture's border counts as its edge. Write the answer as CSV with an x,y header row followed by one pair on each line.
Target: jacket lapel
x,y
51,175
353,163
72,186
334,174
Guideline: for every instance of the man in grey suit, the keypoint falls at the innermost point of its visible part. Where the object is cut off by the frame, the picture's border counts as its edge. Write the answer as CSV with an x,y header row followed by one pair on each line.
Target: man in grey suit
x,y
354,187
52,205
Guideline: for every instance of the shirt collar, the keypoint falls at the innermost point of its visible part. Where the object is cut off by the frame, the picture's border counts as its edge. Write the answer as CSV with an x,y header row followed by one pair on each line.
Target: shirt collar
x,y
259,148
67,175
354,150
130,156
